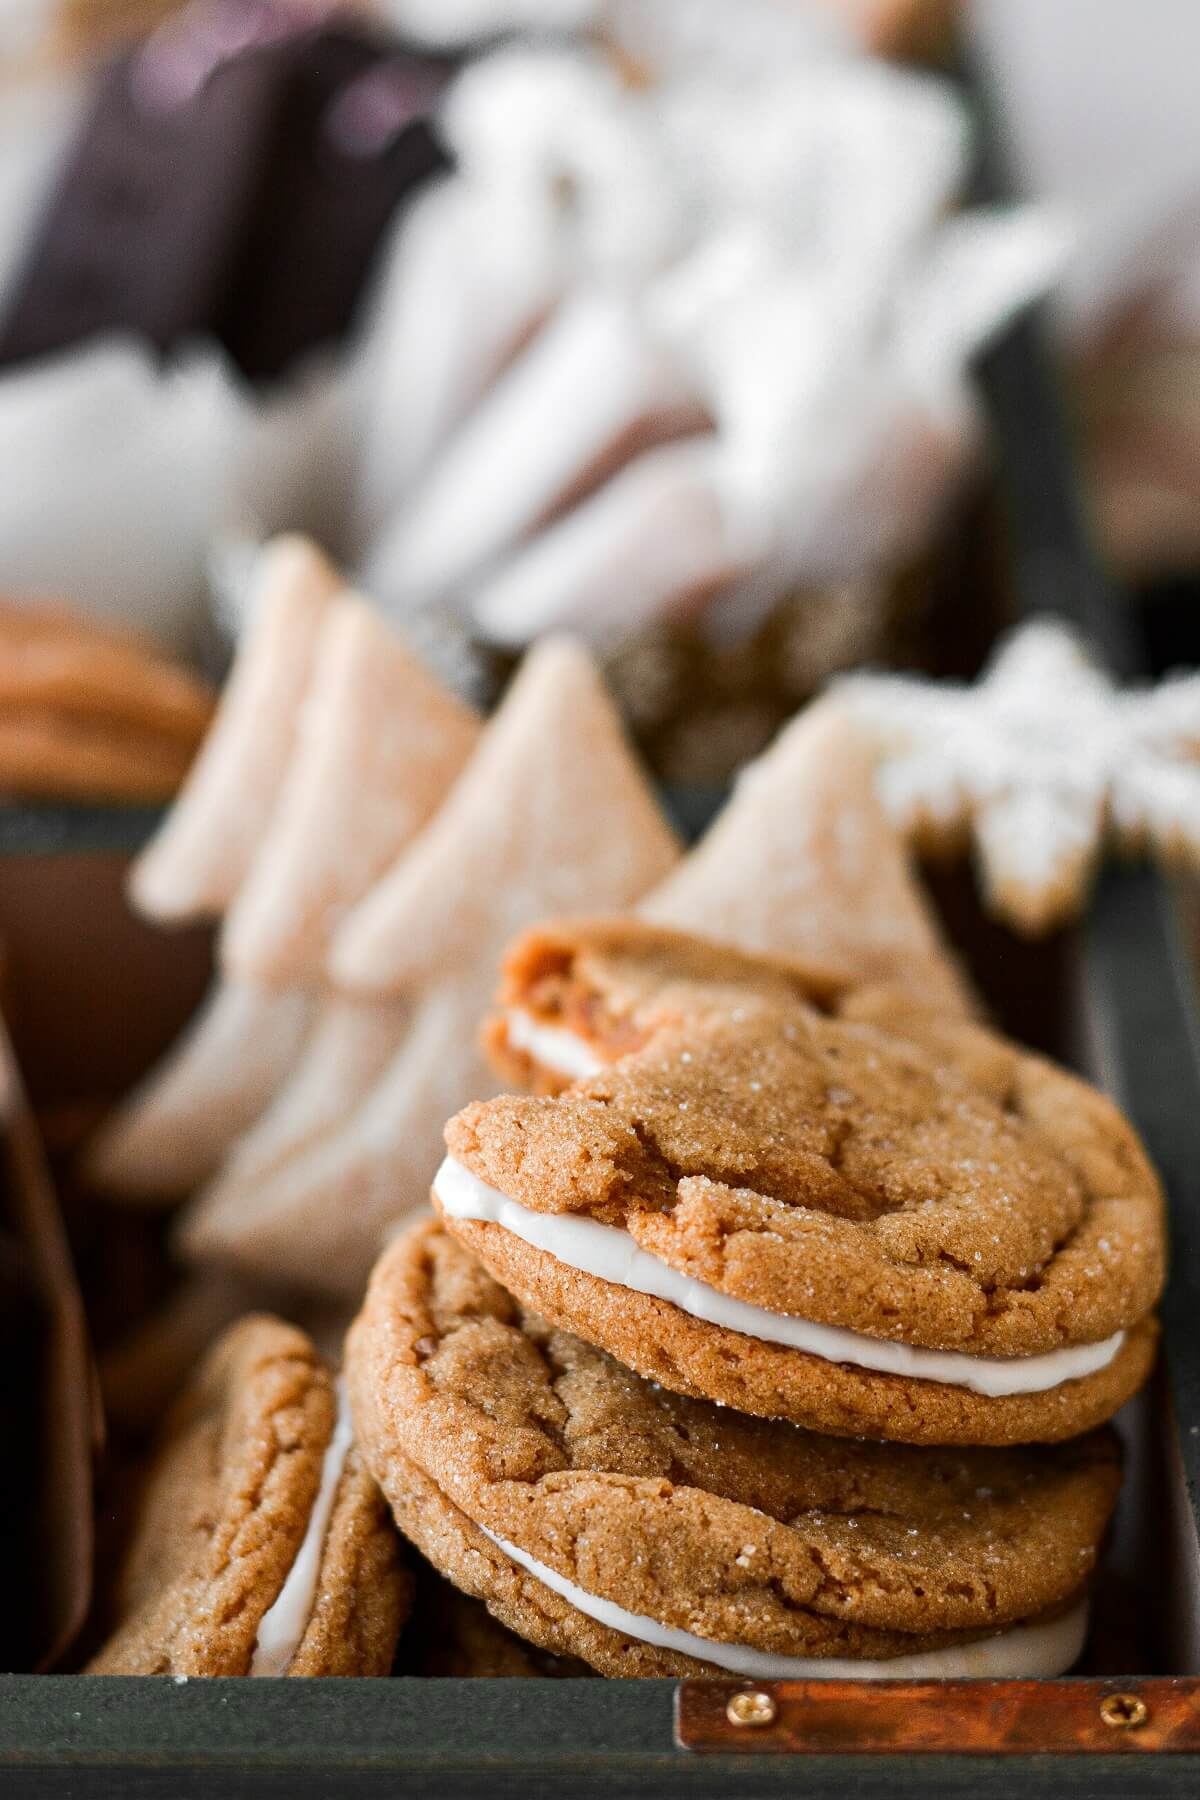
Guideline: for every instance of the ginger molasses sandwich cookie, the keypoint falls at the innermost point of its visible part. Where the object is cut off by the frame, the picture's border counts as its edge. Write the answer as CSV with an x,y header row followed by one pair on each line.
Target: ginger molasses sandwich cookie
x,y
263,1546
600,1516
578,995
808,1215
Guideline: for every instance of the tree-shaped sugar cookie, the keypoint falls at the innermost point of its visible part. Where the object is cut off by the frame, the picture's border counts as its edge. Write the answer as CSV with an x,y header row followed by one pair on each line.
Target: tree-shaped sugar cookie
x,y
379,742
803,861
171,1133
364,743
551,816
351,1043
197,861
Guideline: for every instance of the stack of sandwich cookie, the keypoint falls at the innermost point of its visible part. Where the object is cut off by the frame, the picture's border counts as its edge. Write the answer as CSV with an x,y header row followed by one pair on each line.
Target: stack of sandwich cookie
x,y
756,1201
600,1516
263,1545
775,1331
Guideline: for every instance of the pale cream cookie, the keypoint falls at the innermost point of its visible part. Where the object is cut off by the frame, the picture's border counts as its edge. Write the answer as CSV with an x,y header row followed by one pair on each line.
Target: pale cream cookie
x,y
379,742
171,1133
198,859
802,861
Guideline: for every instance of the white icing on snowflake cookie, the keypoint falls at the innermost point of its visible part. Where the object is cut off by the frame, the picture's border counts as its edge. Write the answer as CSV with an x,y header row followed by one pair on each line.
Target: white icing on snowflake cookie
x,y
1043,763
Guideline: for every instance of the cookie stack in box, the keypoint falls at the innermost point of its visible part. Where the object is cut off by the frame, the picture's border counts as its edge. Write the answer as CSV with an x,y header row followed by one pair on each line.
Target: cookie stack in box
x,y
776,1325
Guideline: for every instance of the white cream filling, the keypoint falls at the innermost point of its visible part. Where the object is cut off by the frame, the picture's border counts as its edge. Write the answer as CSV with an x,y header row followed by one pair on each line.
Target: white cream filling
x,y
283,1625
552,1045
1049,1648
611,1255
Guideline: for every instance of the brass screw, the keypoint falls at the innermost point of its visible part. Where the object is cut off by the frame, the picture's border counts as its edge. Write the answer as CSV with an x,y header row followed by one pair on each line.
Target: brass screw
x,y
1124,1712
751,1709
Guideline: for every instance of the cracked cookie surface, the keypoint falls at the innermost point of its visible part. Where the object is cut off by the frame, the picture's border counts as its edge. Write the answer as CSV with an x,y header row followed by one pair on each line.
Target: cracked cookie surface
x,y
224,1513
611,983
476,1416
856,1162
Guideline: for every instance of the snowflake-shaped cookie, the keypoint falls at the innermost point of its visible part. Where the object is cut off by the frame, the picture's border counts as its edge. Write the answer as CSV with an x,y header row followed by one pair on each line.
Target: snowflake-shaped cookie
x,y
1043,762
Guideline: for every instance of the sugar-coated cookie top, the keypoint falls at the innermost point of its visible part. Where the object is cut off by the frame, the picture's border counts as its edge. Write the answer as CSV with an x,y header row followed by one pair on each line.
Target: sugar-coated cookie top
x,y
869,1165
611,982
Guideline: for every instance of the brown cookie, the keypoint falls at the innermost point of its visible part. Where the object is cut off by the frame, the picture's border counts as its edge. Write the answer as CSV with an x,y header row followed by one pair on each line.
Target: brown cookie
x,y
263,1546
577,996
51,755
61,662
862,1217
545,1479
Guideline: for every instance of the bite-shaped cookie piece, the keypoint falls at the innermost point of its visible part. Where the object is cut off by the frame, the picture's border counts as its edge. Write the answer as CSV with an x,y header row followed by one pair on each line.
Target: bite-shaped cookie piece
x,y
576,996
263,1545
862,1217
600,1516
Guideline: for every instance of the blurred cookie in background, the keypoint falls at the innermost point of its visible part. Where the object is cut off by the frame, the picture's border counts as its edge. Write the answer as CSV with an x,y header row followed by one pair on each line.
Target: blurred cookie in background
x,y
91,713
